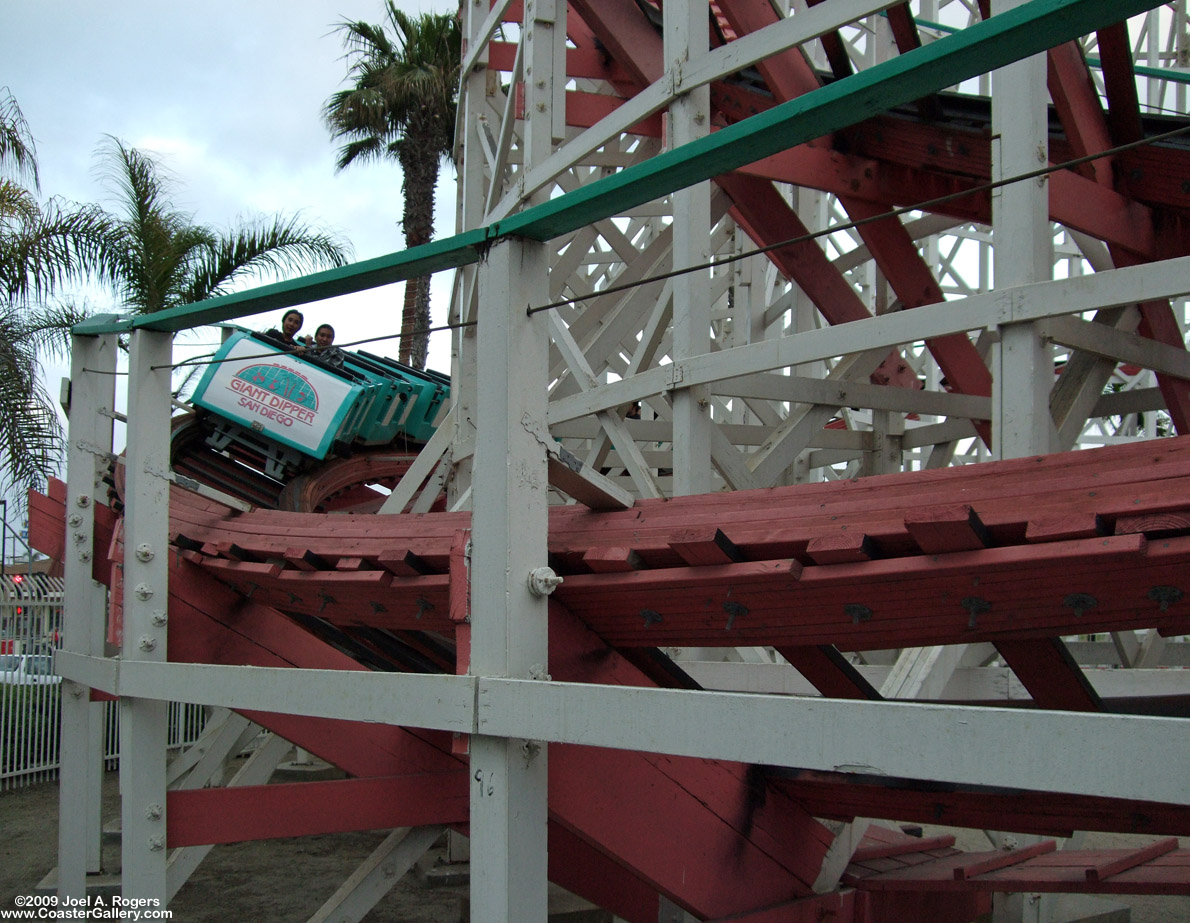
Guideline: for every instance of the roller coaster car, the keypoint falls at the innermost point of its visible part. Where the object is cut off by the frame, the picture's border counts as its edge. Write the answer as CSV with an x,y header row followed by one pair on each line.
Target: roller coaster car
x,y
293,410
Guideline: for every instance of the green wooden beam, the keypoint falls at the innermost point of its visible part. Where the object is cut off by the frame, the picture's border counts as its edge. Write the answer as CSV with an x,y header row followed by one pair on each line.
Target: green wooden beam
x,y
985,46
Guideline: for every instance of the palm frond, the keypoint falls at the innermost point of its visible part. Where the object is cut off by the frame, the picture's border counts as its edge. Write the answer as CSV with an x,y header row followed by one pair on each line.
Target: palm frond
x,y
286,245
47,327
30,432
17,149
52,244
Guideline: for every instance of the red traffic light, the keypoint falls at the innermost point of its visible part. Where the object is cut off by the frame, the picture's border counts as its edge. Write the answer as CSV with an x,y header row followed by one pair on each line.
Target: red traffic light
x,y
18,578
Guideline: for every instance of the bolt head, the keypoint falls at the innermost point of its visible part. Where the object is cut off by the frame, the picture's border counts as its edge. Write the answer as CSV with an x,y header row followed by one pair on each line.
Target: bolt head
x,y
543,581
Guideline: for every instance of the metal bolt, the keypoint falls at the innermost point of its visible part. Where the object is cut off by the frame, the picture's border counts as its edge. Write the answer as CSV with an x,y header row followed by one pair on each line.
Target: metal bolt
x,y
146,643
975,606
79,538
529,751
156,843
75,520
143,591
734,610
857,612
84,501
144,552
154,812
157,618
651,617
84,555
1080,603
543,581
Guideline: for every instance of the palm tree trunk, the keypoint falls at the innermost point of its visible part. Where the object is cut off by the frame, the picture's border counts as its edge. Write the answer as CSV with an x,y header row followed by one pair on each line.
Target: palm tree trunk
x,y
419,162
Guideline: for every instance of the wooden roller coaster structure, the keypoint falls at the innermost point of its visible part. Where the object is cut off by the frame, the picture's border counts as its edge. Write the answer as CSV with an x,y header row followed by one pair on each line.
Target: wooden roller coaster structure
x,y
518,627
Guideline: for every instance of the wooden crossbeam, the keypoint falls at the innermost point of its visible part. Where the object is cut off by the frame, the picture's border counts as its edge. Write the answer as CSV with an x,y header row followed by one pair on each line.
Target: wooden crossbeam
x,y
260,812
832,674
1108,868
901,846
1054,680
1002,860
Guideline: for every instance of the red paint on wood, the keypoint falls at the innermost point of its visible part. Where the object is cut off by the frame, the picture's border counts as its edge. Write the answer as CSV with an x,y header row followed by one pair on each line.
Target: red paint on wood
x,y
704,545
841,548
1106,869
1002,860
832,674
261,812
943,529
899,846
615,559
1054,680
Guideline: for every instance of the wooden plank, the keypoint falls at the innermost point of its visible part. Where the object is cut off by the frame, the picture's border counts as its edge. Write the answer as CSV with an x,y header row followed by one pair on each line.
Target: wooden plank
x,y
841,796
900,847
832,674
306,560
235,552
260,812
1155,525
1002,859
842,548
1064,528
403,562
1106,869
704,545
944,529
612,559
1051,675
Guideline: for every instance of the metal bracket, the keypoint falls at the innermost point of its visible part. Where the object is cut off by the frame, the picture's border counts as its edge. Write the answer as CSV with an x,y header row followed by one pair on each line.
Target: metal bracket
x,y
1165,596
675,374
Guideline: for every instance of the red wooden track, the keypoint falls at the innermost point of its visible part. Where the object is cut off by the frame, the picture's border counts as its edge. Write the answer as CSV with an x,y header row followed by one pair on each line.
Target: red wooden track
x,y
1018,553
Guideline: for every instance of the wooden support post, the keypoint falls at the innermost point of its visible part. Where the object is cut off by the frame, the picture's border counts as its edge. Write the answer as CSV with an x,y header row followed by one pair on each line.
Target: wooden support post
x,y
92,387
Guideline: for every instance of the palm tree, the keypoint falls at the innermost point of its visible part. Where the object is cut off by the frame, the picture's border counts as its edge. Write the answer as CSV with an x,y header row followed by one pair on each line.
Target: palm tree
x,y
155,257
41,246
402,105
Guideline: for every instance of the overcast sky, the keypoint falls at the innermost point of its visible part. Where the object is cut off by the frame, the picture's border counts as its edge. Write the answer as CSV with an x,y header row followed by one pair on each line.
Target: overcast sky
x,y
228,94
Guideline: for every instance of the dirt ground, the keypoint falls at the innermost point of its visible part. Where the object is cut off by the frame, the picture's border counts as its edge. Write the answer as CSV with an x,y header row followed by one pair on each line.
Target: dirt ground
x,y
288,880
278,880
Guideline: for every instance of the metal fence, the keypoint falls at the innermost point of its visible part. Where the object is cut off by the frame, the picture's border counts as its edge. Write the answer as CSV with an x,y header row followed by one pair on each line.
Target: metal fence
x,y
30,714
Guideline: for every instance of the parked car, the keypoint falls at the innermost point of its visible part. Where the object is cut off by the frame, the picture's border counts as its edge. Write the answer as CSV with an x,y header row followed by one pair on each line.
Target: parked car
x,y
27,669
